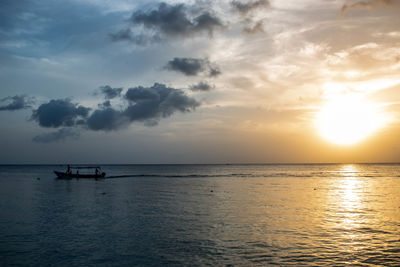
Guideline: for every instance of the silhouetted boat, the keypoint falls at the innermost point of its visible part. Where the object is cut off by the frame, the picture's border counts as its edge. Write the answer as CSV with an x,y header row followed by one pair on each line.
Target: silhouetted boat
x,y
73,172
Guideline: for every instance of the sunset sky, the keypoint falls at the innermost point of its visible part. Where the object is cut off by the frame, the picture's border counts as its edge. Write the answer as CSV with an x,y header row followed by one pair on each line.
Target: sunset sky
x,y
101,81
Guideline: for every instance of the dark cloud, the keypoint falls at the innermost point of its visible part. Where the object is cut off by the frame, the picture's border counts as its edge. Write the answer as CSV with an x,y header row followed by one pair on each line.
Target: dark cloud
x,y
145,104
15,102
106,119
193,66
60,135
366,4
175,20
60,112
168,20
201,86
213,71
247,7
188,66
157,101
110,93
105,104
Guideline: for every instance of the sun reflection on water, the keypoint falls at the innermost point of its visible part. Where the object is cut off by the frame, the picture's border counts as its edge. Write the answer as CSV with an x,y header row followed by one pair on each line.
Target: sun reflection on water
x,y
348,201
350,187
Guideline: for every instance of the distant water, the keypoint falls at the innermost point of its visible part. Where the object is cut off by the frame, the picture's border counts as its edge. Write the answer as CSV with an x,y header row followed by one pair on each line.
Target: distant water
x,y
202,215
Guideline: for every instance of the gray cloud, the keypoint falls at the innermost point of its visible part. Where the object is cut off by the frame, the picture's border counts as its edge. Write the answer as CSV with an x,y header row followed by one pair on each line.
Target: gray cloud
x,y
139,39
146,104
16,102
174,20
110,93
60,135
245,8
168,20
60,112
193,66
105,104
201,86
366,4
258,27
106,119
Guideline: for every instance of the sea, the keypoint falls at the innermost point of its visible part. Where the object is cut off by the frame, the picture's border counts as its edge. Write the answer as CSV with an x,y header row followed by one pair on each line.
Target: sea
x,y
202,215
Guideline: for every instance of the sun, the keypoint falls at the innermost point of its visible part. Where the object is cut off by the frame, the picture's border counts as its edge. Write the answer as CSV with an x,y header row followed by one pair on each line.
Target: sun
x,y
348,119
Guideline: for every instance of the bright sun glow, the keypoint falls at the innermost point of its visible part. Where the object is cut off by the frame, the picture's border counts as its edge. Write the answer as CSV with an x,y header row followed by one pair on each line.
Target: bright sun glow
x,y
348,119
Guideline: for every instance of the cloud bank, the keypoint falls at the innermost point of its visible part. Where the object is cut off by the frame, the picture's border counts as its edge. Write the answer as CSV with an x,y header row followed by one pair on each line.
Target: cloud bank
x,y
141,104
144,104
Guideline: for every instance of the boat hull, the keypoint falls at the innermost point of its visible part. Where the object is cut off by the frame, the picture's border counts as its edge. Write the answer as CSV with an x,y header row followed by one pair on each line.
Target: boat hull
x,y
64,175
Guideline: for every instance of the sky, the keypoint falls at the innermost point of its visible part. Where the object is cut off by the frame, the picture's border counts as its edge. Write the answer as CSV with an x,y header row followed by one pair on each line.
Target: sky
x,y
242,81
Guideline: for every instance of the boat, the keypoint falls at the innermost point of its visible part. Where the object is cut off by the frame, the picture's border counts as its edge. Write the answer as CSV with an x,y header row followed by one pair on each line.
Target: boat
x,y
75,172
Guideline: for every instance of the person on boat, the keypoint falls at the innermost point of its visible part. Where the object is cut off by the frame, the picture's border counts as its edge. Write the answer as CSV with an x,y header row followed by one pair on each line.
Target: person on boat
x,y
68,169
97,171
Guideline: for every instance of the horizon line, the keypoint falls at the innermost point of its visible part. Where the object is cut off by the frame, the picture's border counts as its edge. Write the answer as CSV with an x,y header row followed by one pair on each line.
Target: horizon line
x,y
252,163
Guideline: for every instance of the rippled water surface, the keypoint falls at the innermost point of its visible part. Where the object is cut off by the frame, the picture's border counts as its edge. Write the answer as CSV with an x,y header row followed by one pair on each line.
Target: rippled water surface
x,y
202,215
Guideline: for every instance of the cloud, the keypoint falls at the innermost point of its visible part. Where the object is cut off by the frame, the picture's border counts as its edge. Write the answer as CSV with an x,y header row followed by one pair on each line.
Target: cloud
x,y
245,8
60,112
157,101
105,104
145,104
60,135
110,93
201,86
139,39
168,20
106,119
258,27
193,66
16,102
365,4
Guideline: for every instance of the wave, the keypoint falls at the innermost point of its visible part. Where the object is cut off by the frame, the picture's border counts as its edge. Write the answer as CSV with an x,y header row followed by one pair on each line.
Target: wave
x,y
180,175
240,175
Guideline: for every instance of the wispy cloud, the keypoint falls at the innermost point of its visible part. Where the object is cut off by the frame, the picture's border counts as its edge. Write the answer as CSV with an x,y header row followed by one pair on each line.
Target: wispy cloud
x,y
246,7
365,4
16,102
56,136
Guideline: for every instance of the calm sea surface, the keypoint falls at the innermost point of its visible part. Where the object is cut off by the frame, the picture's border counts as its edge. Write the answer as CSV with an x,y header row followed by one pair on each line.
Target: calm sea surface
x,y
202,215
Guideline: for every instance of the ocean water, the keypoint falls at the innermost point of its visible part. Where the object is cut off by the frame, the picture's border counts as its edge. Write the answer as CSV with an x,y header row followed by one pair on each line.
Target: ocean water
x,y
197,215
